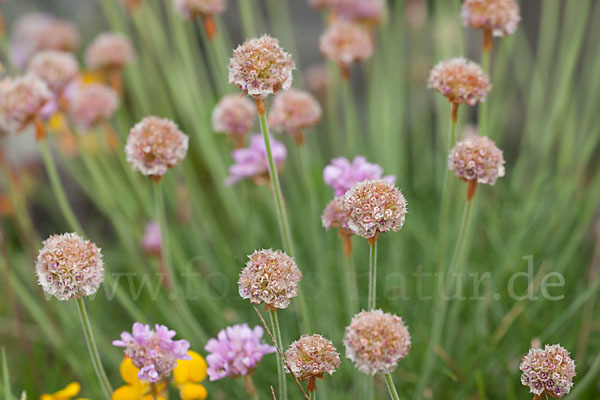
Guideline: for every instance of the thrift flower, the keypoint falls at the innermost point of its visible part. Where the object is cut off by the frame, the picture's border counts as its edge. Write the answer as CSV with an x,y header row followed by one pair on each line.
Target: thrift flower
x,y
56,68
460,80
70,391
345,42
293,112
154,145
336,216
26,100
134,388
152,240
92,104
69,267
341,175
236,351
109,51
251,162
270,277
310,357
499,17
375,341
154,352
370,12
549,371
234,116
187,376
206,9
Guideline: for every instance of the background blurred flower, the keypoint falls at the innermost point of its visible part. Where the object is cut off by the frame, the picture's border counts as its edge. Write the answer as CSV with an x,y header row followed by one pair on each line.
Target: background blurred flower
x,y
234,116
109,51
344,43
91,104
56,68
251,162
293,112
341,175
152,240
23,101
500,17
188,374
70,391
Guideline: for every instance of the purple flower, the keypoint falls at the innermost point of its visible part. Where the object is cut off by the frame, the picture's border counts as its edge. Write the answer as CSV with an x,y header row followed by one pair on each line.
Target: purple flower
x,y
152,240
154,352
251,162
236,351
341,175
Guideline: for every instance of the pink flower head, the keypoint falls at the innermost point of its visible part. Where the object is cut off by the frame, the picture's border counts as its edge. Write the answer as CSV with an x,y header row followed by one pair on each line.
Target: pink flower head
x,y
233,115
152,239
549,371
341,175
251,162
92,104
310,357
56,68
335,216
24,99
501,17
154,352
192,8
236,351
369,11
476,158
110,51
460,80
294,111
345,42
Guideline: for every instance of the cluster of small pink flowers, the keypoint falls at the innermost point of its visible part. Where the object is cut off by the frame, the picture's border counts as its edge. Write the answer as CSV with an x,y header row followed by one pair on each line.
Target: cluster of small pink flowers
x,y
311,357
36,32
69,267
345,42
548,371
370,11
460,80
233,115
154,145
56,68
477,158
152,240
91,104
336,216
270,277
341,175
375,341
260,67
501,17
374,206
109,51
294,111
154,352
236,351
23,99
193,8
251,162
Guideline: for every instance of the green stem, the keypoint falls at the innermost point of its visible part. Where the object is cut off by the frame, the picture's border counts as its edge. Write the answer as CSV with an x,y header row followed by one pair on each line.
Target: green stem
x,y
58,189
482,118
280,366
313,395
249,387
91,343
350,123
351,288
391,387
372,275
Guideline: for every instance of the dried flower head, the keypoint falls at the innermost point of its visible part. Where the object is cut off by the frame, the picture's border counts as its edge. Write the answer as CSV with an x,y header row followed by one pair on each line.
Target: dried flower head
x,y
345,42
56,68
310,357
341,175
251,162
109,51
270,277
335,215
22,100
501,17
548,371
36,32
234,116
69,267
91,104
294,111
154,352
236,351
476,159
375,341
261,67
154,145
193,8
374,207
460,80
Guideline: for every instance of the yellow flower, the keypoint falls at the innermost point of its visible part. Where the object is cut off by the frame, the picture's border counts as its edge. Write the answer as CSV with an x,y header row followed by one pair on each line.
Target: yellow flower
x,y
67,393
134,388
188,374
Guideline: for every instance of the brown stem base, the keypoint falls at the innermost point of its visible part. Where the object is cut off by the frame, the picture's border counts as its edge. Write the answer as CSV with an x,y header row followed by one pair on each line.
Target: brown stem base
x,y
210,25
488,41
471,188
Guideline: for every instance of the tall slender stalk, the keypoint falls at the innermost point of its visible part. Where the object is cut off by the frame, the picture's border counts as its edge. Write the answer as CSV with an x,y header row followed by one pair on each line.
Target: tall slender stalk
x,y
389,382
282,385
313,395
482,117
372,275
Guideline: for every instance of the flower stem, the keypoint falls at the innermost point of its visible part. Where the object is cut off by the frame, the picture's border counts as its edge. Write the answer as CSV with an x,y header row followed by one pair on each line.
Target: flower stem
x,y
482,117
391,387
350,288
313,395
91,343
372,275
280,366
249,387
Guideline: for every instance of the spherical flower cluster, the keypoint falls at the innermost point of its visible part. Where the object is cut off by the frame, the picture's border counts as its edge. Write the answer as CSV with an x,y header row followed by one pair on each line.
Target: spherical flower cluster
x,y
109,51
294,111
336,216
69,267
501,17
154,145
460,80
56,68
251,162
270,277
375,341
341,175
548,371
345,42
92,104
154,352
476,159
23,99
233,115
193,8
236,351
261,67
310,357
36,32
